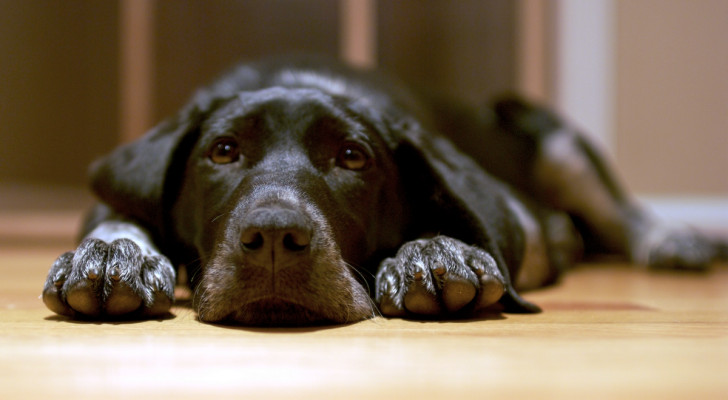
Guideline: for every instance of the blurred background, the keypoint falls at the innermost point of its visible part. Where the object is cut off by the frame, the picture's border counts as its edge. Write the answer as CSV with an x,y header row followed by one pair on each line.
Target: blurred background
x,y
644,78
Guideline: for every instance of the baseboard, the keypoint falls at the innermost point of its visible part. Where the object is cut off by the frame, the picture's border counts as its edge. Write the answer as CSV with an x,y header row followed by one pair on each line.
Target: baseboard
x,y
39,227
708,213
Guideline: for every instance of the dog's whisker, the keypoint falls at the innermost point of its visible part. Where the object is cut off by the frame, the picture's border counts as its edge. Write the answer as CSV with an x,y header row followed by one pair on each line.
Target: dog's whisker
x,y
201,301
376,312
364,273
361,273
220,216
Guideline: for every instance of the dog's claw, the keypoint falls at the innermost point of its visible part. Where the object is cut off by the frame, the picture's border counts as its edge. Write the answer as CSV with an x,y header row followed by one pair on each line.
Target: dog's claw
x,y
457,278
122,301
390,309
456,294
491,290
115,273
104,279
83,299
419,301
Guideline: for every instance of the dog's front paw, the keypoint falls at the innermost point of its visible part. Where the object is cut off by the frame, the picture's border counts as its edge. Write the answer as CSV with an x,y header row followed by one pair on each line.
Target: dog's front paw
x,y
438,276
110,280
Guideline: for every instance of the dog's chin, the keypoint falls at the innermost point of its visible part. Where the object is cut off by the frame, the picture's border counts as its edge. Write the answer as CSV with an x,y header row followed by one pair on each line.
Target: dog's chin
x,y
269,312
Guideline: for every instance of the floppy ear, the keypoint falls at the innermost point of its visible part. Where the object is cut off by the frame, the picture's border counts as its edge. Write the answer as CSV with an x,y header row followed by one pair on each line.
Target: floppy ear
x,y
140,179
465,199
135,178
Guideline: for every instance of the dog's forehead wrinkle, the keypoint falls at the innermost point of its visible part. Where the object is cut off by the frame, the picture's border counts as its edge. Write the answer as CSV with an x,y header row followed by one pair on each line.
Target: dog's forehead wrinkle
x,y
304,78
332,85
292,116
284,96
223,119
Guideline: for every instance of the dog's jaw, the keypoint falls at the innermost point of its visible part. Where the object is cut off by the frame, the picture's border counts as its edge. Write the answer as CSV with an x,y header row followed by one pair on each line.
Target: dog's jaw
x,y
231,294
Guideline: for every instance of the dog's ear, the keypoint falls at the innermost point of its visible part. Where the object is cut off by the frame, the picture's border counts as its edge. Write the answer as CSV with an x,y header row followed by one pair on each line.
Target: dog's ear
x,y
139,179
135,178
460,197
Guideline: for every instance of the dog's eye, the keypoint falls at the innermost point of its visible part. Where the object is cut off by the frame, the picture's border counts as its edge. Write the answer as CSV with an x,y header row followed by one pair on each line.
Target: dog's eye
x,y
224,151
354,157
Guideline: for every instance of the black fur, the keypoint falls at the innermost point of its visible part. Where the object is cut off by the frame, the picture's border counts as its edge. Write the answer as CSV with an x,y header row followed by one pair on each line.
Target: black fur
x,y
302,191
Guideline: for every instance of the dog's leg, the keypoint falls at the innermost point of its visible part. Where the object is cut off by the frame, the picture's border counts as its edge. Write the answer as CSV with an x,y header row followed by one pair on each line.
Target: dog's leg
x,y
116,271
568,173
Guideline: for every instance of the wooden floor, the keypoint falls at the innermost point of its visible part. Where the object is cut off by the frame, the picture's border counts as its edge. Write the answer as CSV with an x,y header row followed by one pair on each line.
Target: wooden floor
x,y
608,331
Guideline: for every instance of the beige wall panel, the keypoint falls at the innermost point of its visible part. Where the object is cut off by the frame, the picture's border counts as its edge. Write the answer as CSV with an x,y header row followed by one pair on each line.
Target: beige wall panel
x,y
672,96
58,88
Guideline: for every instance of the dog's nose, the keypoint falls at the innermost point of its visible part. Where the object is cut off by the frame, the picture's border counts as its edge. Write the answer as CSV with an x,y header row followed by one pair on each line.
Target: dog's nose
x,y
275,237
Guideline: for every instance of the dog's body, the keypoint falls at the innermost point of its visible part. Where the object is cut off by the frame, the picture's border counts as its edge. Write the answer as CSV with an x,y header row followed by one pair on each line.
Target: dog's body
x,y
286,186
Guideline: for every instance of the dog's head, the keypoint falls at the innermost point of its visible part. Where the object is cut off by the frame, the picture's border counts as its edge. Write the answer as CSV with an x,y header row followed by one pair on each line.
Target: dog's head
x,y
286,193
287,185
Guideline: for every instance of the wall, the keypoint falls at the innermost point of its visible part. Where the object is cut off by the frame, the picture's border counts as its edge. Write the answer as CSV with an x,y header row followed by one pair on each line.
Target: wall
x,y
61,63
466,48
672,96
58,88
197,40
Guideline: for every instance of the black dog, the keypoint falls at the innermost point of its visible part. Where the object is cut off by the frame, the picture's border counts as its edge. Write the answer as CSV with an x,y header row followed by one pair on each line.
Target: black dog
x,y
299,192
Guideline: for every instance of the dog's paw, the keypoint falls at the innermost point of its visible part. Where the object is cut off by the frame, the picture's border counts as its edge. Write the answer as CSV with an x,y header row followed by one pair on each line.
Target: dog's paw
x,y
110,280
676,248
437,276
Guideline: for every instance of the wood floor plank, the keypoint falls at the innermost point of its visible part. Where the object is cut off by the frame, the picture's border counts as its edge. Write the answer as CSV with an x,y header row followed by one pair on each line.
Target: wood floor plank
x,y
607,331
